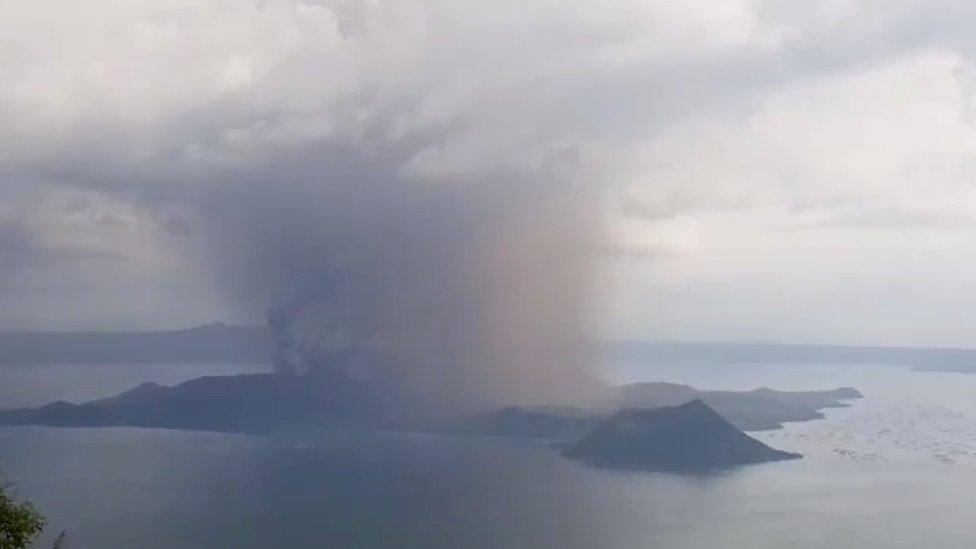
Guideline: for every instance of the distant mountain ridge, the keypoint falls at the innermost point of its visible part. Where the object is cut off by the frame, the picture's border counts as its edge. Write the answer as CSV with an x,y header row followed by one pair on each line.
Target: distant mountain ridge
x,y
920,358
210,343
218,342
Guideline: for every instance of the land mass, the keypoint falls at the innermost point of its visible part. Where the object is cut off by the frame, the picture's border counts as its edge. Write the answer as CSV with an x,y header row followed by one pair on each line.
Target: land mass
x,y
262,403
687,437
758,410
252,403
663,426
761,409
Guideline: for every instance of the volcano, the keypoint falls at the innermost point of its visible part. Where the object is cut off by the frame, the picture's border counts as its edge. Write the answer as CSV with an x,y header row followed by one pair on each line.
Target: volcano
x,y
689,437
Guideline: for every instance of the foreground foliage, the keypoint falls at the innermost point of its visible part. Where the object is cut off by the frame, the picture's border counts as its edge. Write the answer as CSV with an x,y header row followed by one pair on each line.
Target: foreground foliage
x,y
20,522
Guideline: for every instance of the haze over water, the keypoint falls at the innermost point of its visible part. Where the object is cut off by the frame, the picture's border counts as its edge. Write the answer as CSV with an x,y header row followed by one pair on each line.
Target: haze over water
x,y
894,470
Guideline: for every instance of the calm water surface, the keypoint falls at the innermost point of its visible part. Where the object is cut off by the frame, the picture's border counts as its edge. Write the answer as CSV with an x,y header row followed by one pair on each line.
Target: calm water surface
x,y
898,469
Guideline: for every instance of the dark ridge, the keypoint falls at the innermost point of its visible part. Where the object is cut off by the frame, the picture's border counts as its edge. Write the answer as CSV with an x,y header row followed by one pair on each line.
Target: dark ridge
x,y
217,342
257,403
687,437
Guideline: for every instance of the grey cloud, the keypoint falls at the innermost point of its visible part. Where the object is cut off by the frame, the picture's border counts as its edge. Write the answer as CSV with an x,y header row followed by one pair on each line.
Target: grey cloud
x,y
22,251
297,187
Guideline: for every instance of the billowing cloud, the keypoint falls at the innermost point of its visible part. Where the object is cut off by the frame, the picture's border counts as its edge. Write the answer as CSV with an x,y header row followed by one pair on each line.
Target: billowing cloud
x,y
697,155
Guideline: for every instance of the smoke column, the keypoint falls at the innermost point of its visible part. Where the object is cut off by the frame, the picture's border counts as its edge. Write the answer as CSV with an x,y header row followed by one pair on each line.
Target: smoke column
x,y
453,295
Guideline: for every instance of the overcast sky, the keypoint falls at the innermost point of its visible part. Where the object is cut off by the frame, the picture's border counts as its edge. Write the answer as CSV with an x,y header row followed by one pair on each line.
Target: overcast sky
x,y
762,170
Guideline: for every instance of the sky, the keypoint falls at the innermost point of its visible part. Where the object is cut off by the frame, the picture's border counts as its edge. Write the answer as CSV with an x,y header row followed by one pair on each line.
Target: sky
x,y
751,170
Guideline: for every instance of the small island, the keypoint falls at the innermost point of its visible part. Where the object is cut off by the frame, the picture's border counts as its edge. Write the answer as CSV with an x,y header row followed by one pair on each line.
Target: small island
x,y
687,437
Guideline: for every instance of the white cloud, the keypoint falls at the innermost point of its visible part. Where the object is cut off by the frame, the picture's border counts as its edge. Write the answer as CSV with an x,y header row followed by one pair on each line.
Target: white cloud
x,y
777,193
735,145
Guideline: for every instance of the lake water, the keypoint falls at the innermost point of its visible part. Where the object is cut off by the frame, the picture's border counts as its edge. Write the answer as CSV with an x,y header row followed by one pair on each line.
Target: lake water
x,y
897,469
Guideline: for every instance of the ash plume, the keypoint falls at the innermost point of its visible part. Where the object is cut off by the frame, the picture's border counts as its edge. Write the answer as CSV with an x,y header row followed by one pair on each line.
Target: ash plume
x,y
447,296
407,211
